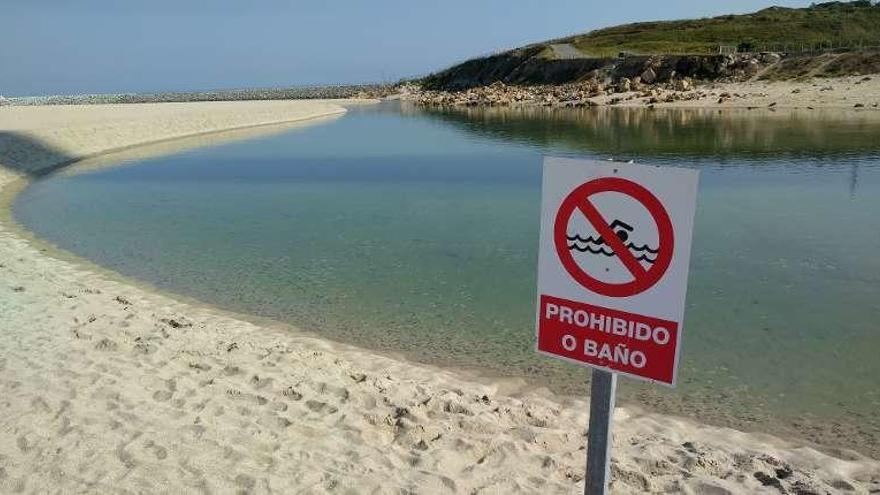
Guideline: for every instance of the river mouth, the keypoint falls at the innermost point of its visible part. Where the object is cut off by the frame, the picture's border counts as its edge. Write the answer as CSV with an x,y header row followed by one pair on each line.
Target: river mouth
x,y
413,231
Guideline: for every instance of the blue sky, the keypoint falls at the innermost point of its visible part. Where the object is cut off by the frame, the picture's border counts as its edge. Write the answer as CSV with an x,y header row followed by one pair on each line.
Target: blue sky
x,y
79,46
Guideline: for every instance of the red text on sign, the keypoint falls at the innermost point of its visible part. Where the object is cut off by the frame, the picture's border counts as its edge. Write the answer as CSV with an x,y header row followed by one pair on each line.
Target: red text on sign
x,y
620,341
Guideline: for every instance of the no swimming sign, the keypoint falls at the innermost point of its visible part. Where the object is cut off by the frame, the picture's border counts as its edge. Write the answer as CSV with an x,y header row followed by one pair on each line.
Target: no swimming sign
x,y
613,264
612,275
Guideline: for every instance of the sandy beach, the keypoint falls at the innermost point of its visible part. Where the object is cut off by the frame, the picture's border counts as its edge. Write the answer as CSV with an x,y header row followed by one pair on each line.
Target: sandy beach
x,y
852,92
107,386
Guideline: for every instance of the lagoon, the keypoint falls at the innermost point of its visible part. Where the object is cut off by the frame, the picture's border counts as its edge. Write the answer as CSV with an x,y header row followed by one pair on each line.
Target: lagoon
x,y
414,231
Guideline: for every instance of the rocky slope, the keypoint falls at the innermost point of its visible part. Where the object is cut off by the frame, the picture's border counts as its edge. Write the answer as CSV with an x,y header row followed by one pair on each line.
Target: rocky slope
x,y
527,68
742,78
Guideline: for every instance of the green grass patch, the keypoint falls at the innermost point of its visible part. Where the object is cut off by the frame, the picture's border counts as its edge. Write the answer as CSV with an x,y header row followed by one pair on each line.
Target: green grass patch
x,y
820,26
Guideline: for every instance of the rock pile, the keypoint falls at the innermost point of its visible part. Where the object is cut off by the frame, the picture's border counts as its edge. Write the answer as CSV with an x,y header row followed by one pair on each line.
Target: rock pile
x,y
500,94
654,79
716,68
591,92
647,80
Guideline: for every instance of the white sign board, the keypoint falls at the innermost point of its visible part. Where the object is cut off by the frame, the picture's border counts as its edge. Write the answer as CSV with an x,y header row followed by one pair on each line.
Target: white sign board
x,y
613,264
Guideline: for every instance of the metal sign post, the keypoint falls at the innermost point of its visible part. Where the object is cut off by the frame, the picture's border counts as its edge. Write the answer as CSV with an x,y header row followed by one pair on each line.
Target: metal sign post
x,y
602,390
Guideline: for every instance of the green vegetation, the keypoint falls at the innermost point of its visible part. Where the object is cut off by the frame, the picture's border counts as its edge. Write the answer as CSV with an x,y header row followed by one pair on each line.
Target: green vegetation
x,y
823,40
819,27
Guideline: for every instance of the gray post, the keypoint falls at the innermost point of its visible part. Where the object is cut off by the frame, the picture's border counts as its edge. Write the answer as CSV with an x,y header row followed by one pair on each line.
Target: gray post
x,y
602,389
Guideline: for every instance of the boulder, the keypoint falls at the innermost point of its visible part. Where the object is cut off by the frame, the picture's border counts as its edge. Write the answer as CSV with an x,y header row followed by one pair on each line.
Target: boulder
x,y
648,76
770,58
752,67
683,84
636,84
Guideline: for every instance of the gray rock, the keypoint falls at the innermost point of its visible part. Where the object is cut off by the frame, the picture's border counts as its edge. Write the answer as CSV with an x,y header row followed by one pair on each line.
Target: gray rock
x,y
770,58
684,84
752,67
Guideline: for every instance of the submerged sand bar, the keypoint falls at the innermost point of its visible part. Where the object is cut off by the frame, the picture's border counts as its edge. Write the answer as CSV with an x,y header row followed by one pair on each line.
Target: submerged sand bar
x,y
108,387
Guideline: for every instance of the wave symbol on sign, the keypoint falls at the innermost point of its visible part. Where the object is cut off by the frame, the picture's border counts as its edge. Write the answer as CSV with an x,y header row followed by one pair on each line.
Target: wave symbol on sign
x,y
596,245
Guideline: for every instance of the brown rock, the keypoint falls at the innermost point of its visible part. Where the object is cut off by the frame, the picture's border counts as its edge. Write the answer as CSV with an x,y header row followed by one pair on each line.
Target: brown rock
x,y
682,84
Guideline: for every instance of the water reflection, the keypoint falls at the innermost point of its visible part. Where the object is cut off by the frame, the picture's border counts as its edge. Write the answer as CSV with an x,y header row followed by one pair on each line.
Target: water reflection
x,y
661,132
853,180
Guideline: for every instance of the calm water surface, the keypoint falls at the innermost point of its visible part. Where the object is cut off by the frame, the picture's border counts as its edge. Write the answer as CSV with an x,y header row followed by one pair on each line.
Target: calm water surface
x,y
395,228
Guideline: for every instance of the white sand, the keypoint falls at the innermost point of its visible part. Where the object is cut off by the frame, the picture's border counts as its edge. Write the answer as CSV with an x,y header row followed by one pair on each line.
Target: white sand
x,y
860,93
106,387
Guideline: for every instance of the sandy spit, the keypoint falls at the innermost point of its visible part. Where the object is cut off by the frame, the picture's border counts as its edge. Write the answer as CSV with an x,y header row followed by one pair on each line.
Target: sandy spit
x,y
107,387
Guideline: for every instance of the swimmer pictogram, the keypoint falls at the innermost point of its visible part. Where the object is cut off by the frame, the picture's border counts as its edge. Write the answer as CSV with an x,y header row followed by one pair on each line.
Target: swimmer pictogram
x,y
646,264
596,245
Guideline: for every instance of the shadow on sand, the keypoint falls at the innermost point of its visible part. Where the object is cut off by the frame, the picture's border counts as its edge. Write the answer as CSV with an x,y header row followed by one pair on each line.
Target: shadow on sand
x,y
28,155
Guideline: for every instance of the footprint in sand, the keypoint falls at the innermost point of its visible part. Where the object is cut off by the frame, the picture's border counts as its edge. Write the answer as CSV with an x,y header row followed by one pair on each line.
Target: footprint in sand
x,y
231,370
234,393
162,395
40,405
245,483
260,383
159,451
106,344
291,393
200,366
320,407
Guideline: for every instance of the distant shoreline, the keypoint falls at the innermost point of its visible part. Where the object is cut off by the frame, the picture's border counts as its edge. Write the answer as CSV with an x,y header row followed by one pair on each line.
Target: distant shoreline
x,y
846,92
325,92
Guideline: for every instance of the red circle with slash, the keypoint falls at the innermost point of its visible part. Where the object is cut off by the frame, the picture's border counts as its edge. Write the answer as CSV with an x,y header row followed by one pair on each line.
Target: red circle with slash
x,y
579,200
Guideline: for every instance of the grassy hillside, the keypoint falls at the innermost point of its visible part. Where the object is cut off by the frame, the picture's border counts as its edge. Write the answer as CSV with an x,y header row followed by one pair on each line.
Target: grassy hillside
x,y
787,29
826,39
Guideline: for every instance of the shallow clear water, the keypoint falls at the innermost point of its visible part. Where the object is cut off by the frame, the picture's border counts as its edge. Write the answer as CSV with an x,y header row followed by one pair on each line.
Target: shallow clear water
x,y
399,229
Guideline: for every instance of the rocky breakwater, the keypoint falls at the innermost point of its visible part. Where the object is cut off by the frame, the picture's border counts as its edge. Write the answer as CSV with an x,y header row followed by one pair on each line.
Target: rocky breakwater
x,y
360,91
